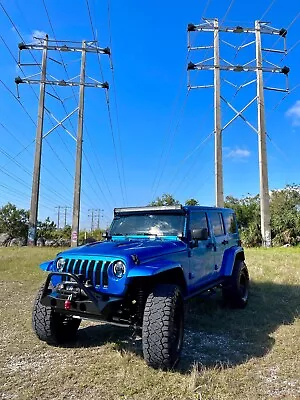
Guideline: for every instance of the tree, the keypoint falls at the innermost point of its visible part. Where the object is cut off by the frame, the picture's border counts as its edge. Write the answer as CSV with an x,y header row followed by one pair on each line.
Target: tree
x,y
165,200
247,211
285,215
14,221
46,229
192,202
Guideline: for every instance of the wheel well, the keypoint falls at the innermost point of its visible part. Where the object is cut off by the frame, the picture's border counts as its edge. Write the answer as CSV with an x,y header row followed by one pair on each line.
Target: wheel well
x,y
174,276
240,256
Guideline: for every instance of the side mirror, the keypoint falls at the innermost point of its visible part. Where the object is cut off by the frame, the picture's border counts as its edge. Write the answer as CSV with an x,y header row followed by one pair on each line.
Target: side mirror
x,y
200,234
106,235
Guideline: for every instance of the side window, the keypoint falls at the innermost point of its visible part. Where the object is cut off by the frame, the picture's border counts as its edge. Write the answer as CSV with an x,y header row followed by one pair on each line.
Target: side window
x,y
198,220
230,223
217,223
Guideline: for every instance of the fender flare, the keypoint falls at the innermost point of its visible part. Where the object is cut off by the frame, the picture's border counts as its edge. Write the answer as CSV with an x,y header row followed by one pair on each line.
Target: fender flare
x,y
229,257
47,265
155,268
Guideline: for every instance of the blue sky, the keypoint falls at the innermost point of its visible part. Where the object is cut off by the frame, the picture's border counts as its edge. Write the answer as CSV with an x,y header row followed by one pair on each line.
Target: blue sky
x,y
160,125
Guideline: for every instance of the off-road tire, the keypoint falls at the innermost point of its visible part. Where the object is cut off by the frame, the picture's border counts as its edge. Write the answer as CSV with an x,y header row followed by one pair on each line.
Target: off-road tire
x,y
163,326
236,287
50,326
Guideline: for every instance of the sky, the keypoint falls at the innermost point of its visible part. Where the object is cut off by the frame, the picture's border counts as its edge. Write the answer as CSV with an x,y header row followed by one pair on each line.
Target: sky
x,y
158,136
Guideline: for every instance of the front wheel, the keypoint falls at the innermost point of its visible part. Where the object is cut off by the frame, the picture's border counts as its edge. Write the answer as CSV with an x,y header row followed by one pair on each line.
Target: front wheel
x,y
50,326
163,326
236,288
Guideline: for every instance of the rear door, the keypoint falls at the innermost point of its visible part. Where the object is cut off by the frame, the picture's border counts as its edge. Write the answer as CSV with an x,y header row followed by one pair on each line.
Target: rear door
x,y
219,238
231,228
202,255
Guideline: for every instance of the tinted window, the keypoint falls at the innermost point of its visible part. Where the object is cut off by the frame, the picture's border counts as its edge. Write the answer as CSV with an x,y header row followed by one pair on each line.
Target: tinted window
x,y
216,221
230,223
198,220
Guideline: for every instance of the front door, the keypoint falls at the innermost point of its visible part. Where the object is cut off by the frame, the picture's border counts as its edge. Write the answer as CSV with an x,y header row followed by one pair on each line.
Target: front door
x,y
202,252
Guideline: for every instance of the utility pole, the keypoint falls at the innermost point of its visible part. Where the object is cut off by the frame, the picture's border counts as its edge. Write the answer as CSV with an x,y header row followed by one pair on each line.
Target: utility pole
x,y
78,165
45,46
261,66
58,215
92,218
65,218
99,216
217,120
38,152
262,149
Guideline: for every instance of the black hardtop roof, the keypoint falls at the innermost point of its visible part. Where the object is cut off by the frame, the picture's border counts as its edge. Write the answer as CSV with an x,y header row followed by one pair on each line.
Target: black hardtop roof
x,y
175,208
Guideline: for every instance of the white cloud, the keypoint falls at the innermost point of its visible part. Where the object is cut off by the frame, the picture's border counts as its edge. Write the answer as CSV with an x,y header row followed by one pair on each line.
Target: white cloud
x,y
37,34
294,113
238,154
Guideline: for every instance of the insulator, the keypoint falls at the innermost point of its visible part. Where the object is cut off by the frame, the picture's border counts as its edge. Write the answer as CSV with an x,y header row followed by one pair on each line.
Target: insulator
x,y
106,50
22,46
285,70
191,27
238,29
18,80
283,32
191,66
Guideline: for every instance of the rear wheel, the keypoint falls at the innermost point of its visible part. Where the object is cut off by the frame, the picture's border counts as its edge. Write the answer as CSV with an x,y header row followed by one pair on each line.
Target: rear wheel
x,y
50,326
163,326
236,288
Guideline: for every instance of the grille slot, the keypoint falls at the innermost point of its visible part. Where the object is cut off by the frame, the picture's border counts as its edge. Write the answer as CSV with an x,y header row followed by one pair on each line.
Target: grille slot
x,y
105,274
76,267
83,267
98,273
70,266
90,271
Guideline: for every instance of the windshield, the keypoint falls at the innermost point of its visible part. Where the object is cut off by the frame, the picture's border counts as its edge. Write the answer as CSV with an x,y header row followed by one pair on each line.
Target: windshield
x,y
148,224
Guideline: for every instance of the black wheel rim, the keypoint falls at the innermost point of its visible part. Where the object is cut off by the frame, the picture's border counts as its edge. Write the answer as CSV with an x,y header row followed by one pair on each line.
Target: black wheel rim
x,y
177,334
244,286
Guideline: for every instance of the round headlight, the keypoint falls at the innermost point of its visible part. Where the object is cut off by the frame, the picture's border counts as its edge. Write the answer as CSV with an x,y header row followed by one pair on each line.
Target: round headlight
x,y
60,263
119,269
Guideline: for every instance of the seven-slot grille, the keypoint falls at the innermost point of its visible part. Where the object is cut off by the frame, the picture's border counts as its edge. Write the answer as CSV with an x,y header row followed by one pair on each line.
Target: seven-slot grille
x,y
93,270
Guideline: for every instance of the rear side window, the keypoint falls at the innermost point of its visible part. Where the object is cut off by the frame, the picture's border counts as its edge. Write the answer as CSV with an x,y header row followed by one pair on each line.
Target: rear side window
x,y
216,221
198,220
230,223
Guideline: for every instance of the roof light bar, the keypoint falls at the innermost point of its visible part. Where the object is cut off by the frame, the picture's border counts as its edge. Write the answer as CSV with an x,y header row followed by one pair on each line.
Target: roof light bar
x,y
148,208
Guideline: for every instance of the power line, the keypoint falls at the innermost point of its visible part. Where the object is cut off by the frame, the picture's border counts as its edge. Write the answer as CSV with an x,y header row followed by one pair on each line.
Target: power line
x,y
108,107
115,98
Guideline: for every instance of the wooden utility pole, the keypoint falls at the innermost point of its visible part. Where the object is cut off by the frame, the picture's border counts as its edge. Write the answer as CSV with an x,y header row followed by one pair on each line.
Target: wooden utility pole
x,y
262,147
32,230
78,163
219,195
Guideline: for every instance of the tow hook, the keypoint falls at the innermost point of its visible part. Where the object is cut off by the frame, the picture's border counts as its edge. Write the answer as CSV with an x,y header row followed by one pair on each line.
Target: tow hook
x,y
68,302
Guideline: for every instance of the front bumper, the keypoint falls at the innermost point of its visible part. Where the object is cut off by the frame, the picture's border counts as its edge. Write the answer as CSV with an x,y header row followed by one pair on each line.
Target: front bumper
x,y
89,305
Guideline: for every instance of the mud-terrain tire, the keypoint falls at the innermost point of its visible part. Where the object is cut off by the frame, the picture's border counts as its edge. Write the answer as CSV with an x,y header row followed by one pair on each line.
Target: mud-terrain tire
x,y
236,287
163,326
50,326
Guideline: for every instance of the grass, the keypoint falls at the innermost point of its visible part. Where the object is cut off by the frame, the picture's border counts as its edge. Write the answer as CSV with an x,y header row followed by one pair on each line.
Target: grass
x,y
228,354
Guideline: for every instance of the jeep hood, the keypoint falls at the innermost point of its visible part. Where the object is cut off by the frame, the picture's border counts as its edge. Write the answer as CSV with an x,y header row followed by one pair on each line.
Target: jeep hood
x,y
143,248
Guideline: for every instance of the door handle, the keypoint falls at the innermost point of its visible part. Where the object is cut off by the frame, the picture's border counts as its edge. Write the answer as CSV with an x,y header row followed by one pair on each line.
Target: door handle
x,y
225,242
211,246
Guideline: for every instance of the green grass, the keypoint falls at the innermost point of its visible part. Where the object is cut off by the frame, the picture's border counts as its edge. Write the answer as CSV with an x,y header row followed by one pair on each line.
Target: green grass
x,y
228,354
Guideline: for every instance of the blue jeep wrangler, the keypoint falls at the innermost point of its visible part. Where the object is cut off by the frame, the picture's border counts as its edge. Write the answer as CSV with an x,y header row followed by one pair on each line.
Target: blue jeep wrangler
x,y
153,259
